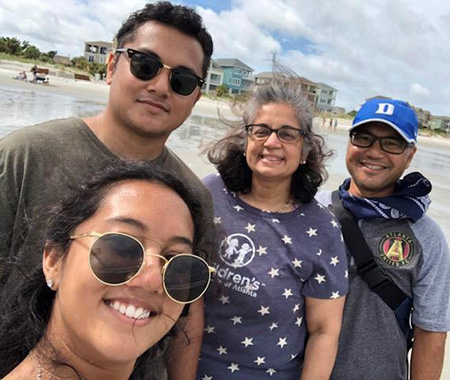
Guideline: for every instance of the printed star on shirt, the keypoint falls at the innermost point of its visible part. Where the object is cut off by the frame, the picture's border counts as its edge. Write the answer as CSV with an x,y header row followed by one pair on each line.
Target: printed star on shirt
x,y
217,220
287,293
206,377
250,228
222,350
334,261
225,190
210,329
335,295
273,326
320,205
262,250
233,367
260,360
293,356
273,272
334,223
271,371
286,239
312,232
319,252
238,208
297,263
299,321
247,342
224,300
296,307
275,220
264,310
320,278
346,274
236,319
282,342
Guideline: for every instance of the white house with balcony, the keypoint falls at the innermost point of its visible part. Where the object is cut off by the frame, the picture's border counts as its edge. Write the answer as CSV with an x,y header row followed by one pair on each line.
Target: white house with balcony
x,y
326,97
214,77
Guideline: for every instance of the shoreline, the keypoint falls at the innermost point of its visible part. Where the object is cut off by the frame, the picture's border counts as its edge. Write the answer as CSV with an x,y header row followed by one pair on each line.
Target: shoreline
x,y
97,90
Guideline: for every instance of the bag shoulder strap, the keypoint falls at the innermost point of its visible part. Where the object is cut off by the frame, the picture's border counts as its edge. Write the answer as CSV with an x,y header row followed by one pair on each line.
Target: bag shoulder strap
x,y
367,267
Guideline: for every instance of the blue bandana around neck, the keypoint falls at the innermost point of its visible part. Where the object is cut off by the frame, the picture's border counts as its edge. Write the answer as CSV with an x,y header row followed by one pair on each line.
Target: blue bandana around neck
x,y
410,200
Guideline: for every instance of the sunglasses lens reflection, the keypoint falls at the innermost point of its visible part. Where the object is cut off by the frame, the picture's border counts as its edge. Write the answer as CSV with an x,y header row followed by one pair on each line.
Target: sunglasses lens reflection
x,y
115,258
143,67
183,83
186,278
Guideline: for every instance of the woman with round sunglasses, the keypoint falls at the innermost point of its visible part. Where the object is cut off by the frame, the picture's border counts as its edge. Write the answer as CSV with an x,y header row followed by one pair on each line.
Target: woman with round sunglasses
x,y
122,258
275,307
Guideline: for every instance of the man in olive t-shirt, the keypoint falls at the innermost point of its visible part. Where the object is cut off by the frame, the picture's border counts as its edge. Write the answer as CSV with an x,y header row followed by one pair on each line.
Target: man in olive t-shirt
x,y
155,77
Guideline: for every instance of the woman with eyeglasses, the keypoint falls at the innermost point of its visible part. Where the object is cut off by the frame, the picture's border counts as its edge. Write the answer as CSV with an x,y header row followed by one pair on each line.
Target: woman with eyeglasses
x,y
275,307
122,258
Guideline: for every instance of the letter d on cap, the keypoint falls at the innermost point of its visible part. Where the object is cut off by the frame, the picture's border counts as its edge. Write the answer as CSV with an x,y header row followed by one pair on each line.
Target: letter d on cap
x,y
385,108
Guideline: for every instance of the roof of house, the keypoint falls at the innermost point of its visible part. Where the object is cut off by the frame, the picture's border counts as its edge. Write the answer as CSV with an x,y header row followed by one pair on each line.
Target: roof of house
x,y
62,59
325,86
100,43
215,65
232,62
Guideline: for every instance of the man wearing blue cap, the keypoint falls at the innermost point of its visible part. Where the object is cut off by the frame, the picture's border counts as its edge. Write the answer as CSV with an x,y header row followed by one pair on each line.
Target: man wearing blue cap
x,y
398,256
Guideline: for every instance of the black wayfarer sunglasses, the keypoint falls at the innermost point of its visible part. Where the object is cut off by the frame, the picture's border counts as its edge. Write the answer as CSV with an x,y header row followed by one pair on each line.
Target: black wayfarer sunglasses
x,y
145,67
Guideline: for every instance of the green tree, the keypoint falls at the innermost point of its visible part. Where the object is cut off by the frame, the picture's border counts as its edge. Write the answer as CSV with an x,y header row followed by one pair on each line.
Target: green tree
x,y
352,113
97,68
24,46
32,52
222,90
51,54
10,45
81,63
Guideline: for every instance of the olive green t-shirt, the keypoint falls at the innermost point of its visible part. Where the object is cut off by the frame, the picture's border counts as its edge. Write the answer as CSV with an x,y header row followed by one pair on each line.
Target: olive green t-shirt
x,y
38,165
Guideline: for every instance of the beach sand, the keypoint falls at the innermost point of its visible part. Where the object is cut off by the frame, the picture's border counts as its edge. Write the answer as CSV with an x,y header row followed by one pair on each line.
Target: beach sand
x,y
98,91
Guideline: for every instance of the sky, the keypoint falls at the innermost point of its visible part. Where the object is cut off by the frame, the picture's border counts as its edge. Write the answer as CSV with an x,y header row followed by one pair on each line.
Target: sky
x,y
398,48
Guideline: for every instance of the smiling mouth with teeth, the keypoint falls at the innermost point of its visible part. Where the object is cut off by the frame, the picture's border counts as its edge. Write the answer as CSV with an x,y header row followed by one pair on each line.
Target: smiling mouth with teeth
x,y
130,311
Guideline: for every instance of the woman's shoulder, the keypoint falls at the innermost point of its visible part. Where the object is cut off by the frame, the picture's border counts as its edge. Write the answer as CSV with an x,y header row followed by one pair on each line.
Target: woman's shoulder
x,y
213,181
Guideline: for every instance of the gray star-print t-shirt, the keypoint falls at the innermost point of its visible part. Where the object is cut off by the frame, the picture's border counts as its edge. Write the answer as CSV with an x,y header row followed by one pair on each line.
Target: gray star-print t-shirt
x,y
267,264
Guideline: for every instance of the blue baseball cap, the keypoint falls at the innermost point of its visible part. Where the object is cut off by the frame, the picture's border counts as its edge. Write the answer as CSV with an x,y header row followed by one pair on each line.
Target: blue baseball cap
x,y
395,113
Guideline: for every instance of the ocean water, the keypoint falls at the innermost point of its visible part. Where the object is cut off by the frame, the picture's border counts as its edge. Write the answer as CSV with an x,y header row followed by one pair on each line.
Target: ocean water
x,y
23,107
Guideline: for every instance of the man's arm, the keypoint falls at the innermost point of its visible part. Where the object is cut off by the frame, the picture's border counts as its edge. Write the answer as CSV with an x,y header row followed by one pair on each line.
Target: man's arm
x,y
324,319
427,354
184,347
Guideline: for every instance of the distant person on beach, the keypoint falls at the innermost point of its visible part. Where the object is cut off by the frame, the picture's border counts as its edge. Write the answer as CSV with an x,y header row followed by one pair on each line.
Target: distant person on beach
x,y
404,269
34,71
335,123
118,266
155,75
276,302
22,76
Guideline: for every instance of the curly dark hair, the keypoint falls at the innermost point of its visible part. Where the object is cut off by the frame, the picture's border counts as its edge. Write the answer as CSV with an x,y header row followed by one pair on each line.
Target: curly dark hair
x,y
25,312
182,18
227,154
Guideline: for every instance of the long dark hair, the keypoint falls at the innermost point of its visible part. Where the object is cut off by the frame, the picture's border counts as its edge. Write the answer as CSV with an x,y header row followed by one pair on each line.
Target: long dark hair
x,y
25,313
227,154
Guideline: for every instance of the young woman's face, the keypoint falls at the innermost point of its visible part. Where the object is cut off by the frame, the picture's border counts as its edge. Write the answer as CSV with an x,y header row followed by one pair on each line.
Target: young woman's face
x,y
84,317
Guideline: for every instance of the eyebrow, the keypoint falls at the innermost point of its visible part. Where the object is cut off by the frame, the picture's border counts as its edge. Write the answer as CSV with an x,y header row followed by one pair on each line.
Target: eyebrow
x,y
141,226
154,55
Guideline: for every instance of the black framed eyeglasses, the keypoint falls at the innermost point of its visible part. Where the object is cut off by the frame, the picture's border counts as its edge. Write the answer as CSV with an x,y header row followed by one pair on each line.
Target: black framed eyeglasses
x,y
284,134
116,258
392,145
145,67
